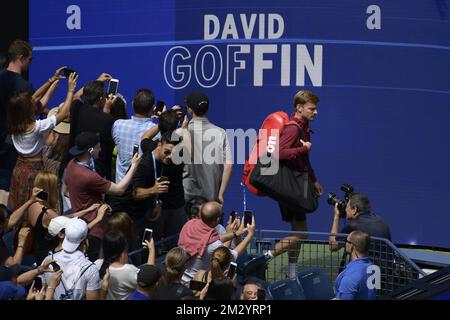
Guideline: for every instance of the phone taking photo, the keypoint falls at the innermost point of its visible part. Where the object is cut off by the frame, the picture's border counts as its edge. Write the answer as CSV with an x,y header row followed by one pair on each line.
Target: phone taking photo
x,y
66,72
135,149
37,283
261,294
232,270
248,215
233,215
163,178
159,106
113,87
147,236
55,266
196,285
43,195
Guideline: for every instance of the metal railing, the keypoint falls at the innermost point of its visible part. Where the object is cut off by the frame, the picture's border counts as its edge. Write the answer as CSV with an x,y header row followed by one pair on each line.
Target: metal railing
x,y
396,269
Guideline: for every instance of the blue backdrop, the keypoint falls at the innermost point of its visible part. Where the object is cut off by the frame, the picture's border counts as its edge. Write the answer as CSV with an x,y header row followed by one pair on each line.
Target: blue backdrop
x,y
382,74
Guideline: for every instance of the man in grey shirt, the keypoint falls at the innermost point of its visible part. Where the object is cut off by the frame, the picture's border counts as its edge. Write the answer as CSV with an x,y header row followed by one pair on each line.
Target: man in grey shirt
x,y
210,169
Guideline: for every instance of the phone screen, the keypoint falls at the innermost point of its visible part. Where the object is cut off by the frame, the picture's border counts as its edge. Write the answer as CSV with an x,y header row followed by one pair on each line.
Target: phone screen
x,y
113,87
196,285
233,215
66,72
135,149
43,195
55,266
232,270
261,294
147,236
247,217
159,106
37,283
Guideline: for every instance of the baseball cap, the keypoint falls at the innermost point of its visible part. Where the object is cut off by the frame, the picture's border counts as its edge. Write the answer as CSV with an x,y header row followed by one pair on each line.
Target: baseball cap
x,y
84,141
57,224
64,126
10,290
197,99
148,275
76,232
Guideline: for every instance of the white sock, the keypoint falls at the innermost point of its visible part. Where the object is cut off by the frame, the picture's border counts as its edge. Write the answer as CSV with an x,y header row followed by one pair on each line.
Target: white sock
x,y
292,270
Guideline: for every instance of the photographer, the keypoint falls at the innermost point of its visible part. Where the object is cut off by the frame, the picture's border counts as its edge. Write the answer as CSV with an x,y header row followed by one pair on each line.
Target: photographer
x,y
360,218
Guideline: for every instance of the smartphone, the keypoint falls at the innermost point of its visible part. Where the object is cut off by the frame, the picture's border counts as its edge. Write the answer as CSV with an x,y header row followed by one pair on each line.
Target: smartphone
x,y
183,110
196,285
232,270
159,106
135,149
55,266
147,236
248,214
233,215
261,294
163,178
43,195
38,283
66,72
113,87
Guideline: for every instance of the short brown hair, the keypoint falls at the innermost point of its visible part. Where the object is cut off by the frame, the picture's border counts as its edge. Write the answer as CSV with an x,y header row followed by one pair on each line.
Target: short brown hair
x,y
20,113
18,48
305,96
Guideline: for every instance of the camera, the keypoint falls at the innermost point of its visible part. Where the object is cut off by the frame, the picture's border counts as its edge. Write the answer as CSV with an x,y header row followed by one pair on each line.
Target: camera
x,y
341,204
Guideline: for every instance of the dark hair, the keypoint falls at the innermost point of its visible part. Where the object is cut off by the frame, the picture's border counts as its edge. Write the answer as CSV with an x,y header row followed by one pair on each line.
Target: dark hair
x,y
4,217
200,110
60,148
220,289
18,48
171,138
360,202
143,101
20,113
93,92
119,109
193,206
168,121
114,244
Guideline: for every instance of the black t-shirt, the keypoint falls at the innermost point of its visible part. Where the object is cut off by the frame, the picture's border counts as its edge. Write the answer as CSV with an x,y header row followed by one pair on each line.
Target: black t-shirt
x,y
173,291
11,84
90,119
144,177
370,223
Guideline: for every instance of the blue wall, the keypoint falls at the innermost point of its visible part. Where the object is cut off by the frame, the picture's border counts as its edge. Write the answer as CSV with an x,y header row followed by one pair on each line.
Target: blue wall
x,y
385,97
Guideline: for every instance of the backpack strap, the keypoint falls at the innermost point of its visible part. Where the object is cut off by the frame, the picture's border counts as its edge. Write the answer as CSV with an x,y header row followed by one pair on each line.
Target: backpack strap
x,y
83,270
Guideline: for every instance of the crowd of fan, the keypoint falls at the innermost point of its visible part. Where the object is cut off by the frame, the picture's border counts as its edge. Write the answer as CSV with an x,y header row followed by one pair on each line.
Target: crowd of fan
x,y
80,198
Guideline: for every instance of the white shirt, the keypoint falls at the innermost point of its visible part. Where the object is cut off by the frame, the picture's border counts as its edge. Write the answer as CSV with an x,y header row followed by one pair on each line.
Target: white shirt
x,y
30,143
203,262
73,277
122,282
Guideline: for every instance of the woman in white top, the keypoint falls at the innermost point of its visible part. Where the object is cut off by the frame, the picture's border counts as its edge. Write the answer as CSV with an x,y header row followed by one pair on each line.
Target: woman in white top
x,y
122,275
28,136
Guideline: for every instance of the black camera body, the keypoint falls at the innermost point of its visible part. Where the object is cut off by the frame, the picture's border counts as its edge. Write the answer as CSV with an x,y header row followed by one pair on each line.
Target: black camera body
x,y
341,204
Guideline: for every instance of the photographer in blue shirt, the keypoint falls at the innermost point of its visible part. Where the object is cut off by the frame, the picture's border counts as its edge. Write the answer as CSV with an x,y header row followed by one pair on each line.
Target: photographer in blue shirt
x,y
351,283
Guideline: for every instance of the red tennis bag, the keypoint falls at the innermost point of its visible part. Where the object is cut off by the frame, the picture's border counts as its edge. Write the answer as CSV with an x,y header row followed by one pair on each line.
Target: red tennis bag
x,y
267,141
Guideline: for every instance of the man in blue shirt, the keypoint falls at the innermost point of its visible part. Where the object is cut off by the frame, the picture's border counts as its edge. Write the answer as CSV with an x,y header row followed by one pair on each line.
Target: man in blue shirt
x,y
351,283
127,133
147,279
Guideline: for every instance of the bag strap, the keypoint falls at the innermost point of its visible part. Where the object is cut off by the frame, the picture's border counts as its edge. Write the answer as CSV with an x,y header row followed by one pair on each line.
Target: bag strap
x,y
78,279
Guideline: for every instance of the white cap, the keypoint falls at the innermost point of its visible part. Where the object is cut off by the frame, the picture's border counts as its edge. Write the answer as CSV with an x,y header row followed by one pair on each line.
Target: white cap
x,y
76,232
57,224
